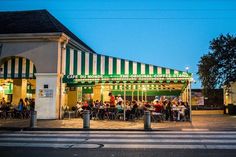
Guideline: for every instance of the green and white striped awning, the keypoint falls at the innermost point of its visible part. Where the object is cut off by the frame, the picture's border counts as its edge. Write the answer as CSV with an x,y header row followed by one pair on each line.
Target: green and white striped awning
x,y
17,67
84,65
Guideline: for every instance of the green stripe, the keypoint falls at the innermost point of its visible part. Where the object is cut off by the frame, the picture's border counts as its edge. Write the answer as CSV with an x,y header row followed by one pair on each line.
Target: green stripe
x,y
90,64
171,71
130,67
122,66
138,68
83,63
67,61
20,68
154,70
5,70
98,64
180,72
75,62
114,66
27,68
146,69
163,71
106,65
13,68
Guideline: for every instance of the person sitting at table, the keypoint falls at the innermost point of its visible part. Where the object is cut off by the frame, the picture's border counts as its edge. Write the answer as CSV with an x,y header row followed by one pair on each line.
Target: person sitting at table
x,y
158,107
21,105
119,107
128,110
182,109
85,105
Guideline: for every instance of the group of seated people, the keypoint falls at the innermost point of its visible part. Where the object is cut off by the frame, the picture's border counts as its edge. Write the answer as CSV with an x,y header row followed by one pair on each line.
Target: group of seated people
x,y
20,110
170,109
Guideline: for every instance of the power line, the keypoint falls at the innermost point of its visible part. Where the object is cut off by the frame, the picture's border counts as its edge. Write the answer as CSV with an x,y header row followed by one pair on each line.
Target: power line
x,y
151,18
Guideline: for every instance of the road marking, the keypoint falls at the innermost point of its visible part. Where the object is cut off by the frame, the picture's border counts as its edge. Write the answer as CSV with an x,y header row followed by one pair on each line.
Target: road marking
x,y
195,129
50,145
169,146
118,135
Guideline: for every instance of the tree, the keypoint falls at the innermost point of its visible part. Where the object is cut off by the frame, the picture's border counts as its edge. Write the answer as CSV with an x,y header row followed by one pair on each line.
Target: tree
x,y
218,67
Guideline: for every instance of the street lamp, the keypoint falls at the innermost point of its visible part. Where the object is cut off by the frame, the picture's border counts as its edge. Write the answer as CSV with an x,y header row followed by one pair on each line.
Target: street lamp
x,y
187,68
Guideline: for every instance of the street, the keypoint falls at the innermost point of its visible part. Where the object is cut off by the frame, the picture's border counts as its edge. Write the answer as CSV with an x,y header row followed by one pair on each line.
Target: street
x,y
118,143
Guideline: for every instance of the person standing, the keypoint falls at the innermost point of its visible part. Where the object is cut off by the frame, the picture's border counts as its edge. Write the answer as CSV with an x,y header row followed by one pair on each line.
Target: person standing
x,y
112,100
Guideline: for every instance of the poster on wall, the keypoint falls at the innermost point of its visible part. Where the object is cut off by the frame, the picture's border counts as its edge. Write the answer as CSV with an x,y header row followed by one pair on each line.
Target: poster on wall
x,y
45,93
197,98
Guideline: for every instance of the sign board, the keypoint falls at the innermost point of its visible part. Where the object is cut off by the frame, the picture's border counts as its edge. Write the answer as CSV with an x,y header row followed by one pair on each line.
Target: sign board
x,y
45,93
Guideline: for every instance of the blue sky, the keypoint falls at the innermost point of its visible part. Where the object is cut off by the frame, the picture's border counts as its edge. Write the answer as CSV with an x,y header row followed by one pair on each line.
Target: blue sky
x,y
167,33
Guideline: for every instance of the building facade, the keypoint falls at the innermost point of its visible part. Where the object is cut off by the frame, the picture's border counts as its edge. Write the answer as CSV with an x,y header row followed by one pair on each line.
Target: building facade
x,y
41,59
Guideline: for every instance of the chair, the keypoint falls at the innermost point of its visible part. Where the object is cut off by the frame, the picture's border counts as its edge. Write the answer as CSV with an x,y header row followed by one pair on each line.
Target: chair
x,y
157,116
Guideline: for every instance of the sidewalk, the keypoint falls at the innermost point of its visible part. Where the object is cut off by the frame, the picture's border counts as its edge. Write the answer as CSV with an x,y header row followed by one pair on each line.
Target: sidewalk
x,y
200,120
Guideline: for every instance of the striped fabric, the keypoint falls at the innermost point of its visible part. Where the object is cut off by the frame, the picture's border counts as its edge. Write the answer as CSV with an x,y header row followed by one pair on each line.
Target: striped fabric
x,y
17,67
83,63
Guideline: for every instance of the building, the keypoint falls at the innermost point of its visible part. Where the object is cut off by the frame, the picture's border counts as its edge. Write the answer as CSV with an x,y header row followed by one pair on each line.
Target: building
x,y
40,58
230,96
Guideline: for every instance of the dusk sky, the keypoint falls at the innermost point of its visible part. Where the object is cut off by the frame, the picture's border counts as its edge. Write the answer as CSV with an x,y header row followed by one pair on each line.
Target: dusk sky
x,y
169,33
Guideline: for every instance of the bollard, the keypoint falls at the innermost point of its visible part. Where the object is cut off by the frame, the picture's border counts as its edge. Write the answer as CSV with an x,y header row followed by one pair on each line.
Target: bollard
x,y
86,117
147,120
33,119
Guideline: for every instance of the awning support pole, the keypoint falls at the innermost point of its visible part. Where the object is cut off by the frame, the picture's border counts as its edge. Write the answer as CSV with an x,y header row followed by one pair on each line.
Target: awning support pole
x,y
124,100
190,102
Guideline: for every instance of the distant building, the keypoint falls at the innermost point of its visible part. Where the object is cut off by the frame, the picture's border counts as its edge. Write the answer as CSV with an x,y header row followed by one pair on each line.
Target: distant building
x,y
212,99
230,94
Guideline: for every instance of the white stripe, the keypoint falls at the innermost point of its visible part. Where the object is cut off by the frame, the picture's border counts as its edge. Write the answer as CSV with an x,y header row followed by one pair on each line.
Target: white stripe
x,y
94,64
79,136
172,146
102,65
79,63
167,71
122,132
50,145
23,67
134,68
71,61
9,66
86,63
110,72
176,72
126,67
151,69
31,69
16,66
125,140
142,68
118,66
159,71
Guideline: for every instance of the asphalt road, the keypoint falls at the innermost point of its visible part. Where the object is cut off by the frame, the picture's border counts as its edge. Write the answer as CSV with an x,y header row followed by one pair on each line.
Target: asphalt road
x,y
118,143
51,152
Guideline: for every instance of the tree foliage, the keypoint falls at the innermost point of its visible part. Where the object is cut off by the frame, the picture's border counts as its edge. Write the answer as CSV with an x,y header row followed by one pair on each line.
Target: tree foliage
x,y
218,67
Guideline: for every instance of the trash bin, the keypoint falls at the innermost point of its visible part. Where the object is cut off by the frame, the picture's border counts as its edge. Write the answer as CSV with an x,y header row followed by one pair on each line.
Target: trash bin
x,y
33,119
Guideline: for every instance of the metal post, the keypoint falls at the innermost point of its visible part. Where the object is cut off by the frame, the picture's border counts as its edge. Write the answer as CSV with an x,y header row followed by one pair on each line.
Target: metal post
x,y
190,102
124,101
86,117
138,93
33,119
147,120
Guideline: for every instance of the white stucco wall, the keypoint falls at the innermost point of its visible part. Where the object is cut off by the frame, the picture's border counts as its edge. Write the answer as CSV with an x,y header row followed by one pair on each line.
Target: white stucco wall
x,y
47,107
